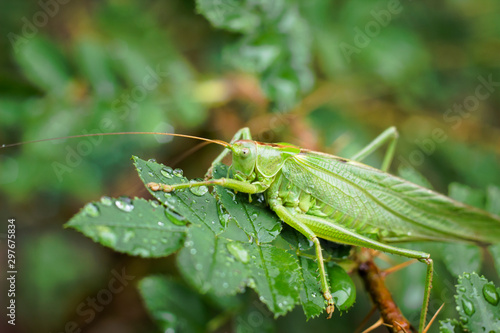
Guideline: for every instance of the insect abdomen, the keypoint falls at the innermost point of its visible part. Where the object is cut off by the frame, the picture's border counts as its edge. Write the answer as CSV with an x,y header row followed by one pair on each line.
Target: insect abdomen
x,y
303,202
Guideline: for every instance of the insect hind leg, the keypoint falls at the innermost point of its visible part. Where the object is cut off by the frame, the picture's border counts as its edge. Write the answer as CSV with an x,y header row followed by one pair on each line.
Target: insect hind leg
x,y
389,135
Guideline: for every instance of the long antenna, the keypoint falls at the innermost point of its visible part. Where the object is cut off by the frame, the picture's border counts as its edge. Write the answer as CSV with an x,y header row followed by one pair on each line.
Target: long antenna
x,y
219,142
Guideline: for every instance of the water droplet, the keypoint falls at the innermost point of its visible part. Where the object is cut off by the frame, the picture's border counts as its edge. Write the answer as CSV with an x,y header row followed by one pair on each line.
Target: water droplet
x,y
490,294
124,204
128,235
175,218
139,169
106,201
106,236
91,210
313,295
151,174
225,285
198,267
467,275
161,224
238,251
198,190
193,251
166,172
178,172
154,203
468,306
462,289
152,160
141,252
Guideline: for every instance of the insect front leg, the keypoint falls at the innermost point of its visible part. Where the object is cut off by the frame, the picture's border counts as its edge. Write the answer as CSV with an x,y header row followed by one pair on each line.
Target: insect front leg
x,y
295,223
233,184
243,133
389,135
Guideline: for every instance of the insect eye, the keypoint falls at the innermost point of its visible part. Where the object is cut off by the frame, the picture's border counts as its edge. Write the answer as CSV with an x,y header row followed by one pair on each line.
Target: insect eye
x,y
245,151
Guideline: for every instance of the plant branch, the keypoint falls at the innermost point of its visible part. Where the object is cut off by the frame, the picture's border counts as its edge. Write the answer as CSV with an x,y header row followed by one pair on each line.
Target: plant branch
x,y
374,282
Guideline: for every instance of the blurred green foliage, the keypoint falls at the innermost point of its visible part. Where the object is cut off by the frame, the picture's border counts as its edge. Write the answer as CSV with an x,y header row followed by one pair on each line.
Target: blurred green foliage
x,y
330,76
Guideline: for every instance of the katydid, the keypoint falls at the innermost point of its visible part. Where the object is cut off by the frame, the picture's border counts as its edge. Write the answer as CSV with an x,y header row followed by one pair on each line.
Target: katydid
x,y
344,201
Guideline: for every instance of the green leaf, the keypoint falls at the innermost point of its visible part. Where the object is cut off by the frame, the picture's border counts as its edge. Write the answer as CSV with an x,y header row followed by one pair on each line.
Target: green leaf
x,y
233,15
136,227
493,206
255,218
254,318
493,200
478,303
450,326
276,277
208,263
276,44
197,209
222,261
311,298
43,63
460,258
172,305
96,66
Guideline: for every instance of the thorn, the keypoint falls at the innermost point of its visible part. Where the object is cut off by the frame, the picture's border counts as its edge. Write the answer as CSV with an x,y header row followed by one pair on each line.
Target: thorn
x,y
378,323
432,319
396,268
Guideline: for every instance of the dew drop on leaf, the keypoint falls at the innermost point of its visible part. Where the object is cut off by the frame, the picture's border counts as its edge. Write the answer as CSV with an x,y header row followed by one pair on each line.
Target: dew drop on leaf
x,y
106,236
106,201
178,172
490,294
161,224
124,204
468,306
151,174
152,160
128,236
141,252
175,218
155,203
166,172
238,251
91,210
199,190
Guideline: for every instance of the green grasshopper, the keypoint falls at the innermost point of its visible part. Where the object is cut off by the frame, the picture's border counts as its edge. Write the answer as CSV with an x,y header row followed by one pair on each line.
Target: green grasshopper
x,y
343,200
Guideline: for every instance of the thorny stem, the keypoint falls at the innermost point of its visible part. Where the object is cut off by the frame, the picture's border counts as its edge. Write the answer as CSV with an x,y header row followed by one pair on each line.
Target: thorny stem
x,y
374,282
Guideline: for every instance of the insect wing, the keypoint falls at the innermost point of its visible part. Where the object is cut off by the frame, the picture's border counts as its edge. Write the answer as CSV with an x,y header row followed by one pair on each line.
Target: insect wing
x,y
369,200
